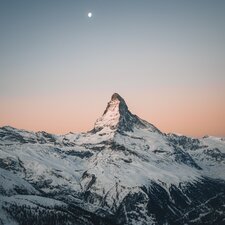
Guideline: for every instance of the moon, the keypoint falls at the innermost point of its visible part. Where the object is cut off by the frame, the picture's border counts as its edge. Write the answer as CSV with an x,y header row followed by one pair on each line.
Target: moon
x,y
90,14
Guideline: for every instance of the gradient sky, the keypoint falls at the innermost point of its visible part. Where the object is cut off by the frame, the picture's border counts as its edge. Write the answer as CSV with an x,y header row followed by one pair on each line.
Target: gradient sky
x,y
59,68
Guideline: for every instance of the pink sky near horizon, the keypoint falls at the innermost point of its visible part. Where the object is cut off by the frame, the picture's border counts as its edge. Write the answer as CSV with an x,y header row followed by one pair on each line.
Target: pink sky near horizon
x,y
197,112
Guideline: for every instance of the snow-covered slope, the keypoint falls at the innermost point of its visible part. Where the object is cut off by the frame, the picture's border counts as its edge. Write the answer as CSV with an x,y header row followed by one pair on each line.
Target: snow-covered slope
x,y
124,171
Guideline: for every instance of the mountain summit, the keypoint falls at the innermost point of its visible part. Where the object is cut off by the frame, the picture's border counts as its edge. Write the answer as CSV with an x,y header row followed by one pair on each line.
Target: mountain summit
x,y
117,117
116,104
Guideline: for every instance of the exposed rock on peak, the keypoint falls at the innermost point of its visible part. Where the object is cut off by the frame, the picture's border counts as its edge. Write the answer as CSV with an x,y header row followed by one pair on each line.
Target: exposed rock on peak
x,y
116,96
116,105
118,117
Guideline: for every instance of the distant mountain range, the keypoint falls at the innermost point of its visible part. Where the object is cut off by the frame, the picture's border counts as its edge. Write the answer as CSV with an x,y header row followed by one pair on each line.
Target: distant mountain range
x,y
123,171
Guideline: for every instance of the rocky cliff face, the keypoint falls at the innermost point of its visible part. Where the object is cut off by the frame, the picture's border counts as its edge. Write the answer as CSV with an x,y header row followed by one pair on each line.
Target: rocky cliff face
x,y
124,171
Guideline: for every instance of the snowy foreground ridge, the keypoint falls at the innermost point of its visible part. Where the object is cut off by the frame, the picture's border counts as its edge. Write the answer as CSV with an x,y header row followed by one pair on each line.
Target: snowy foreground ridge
x,y
123,171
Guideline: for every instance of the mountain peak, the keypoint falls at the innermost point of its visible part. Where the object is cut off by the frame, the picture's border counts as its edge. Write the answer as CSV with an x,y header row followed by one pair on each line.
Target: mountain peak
x,y
117,117
117,105
116,96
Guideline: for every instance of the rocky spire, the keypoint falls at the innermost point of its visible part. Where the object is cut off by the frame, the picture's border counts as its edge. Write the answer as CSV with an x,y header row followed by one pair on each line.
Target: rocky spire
x,y
116,103
118,117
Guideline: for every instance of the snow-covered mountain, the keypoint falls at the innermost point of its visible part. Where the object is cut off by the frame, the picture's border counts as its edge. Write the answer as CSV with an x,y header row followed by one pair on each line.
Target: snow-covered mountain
x,y
123,171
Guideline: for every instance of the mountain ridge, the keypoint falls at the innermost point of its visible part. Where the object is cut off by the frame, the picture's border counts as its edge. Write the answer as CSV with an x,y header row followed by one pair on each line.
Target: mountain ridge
x,y
124,171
